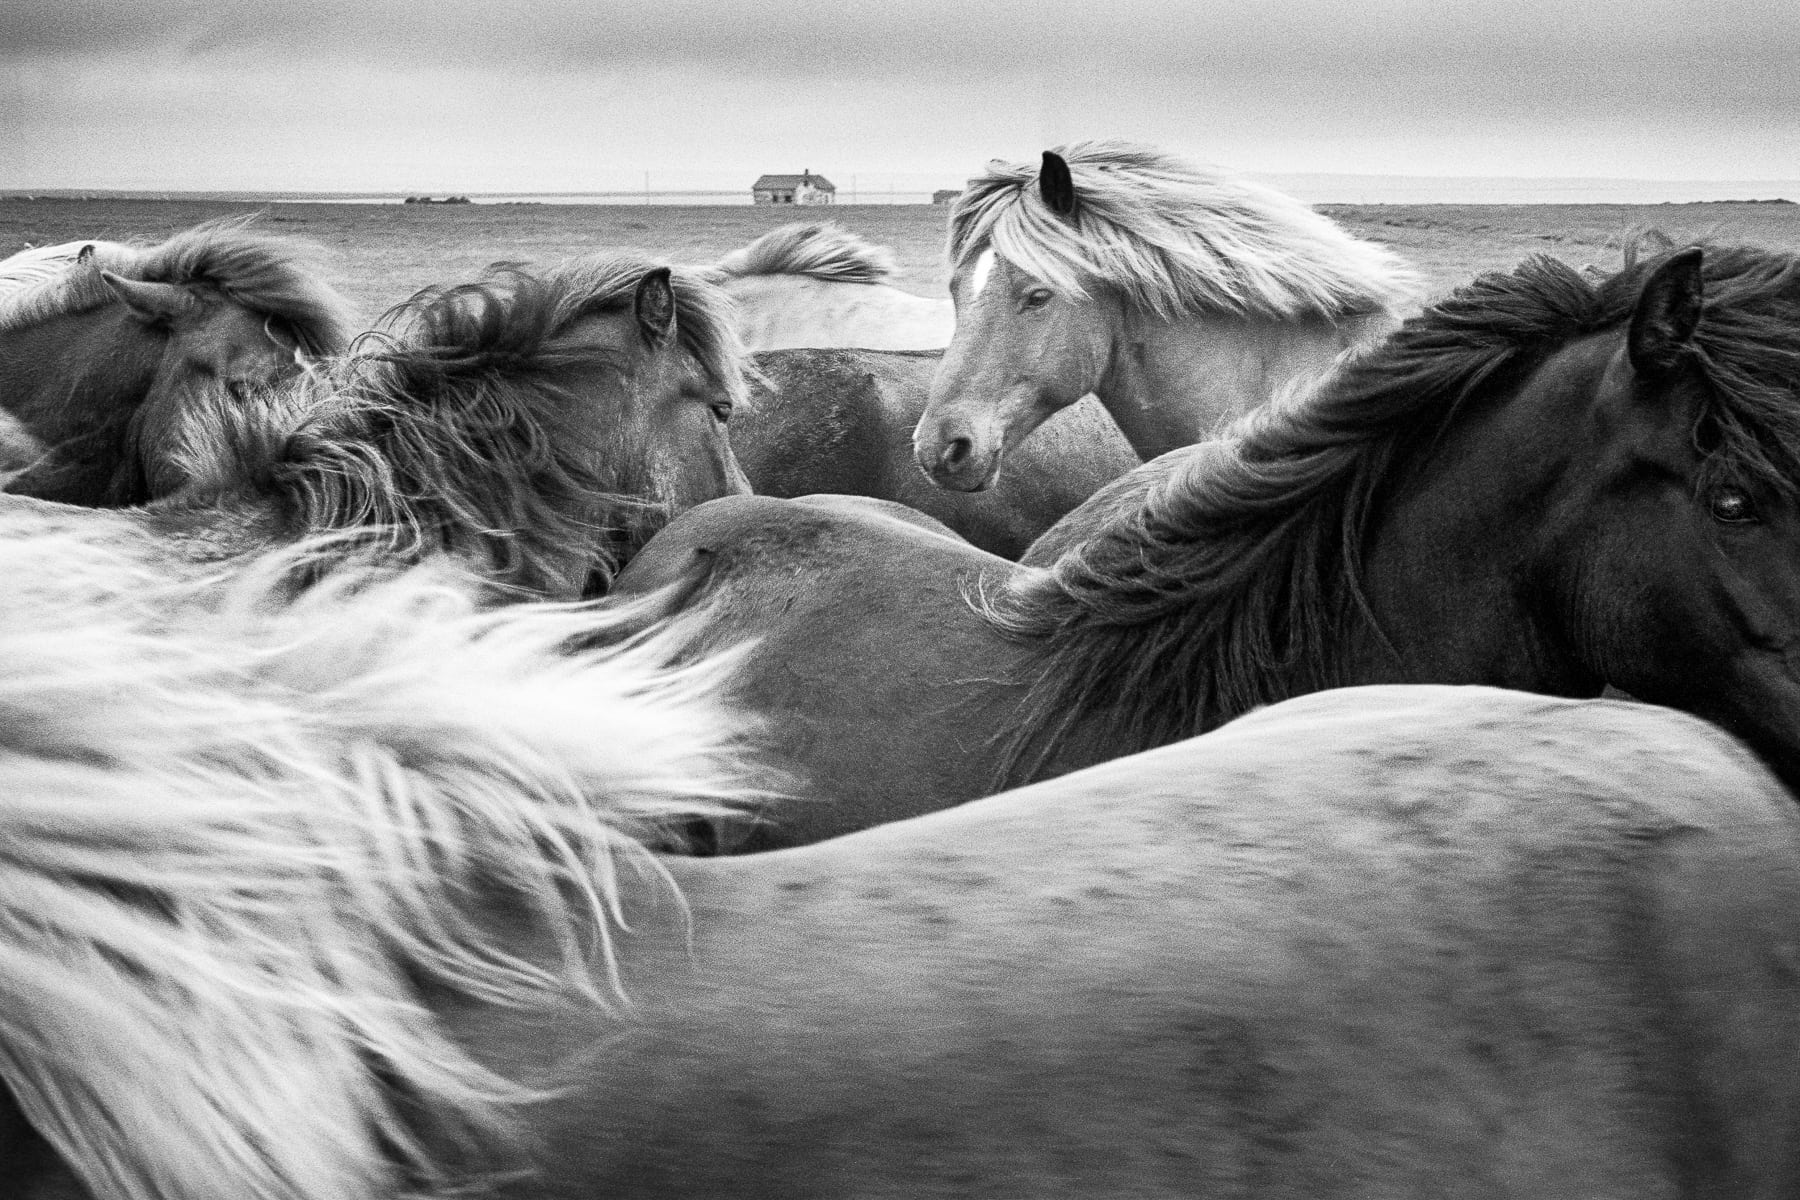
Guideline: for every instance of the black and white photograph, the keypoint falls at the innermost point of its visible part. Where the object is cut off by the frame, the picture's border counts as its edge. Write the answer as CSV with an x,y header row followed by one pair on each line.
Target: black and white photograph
x,y
933,599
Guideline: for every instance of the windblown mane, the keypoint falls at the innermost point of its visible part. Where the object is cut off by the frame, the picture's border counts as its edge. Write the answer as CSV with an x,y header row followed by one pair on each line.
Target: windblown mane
x,y
239,834
453,429
814,249
280,277
1230,582
1175,239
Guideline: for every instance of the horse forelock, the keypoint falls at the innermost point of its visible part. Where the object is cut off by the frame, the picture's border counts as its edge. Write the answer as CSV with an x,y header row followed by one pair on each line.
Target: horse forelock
x,y
1174,239
1230,581
280,277
239,828
817,250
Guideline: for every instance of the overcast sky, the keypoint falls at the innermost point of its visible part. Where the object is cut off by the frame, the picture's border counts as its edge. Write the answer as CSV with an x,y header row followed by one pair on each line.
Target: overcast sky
x,y
571,95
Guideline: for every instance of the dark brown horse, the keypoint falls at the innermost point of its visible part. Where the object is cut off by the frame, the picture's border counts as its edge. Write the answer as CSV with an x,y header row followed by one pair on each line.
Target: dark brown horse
x,y
1538,484
841,421
541,425
346,900
102,344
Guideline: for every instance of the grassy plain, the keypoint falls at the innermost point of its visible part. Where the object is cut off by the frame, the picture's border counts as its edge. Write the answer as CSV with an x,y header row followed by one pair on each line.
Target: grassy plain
x,y
384,252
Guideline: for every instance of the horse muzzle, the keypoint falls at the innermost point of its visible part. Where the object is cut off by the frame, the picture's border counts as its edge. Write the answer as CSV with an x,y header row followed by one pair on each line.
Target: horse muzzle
x,y
954,460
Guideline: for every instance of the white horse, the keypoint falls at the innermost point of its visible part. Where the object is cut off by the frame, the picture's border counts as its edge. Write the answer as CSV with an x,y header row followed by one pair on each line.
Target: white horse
x,y
346,898
813,284
1178,294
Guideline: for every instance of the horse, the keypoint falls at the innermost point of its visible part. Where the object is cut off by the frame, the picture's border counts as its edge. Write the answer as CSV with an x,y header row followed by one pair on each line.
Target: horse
x,y
346,898
542,425
1535,483
841,421
1178,294
100,340
815,284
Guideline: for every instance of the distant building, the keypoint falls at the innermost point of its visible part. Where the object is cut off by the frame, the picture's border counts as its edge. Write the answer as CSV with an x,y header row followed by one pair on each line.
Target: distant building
x,y
945,195
804,188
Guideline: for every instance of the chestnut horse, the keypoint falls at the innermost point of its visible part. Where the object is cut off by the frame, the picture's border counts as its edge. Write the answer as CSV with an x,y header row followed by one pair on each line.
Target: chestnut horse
x,y
814,284
100,343
1179,295
542,425
1537,483
348,899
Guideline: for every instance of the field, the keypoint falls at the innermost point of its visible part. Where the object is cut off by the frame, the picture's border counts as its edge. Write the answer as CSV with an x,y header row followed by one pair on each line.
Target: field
x,y
385,252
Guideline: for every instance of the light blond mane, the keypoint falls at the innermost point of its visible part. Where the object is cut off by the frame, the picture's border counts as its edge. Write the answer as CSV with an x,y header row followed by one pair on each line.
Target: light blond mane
x,y
239,830
281,277
1176,239
817,250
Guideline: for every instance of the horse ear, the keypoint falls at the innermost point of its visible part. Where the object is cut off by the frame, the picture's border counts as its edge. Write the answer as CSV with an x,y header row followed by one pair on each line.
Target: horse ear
x,y
1056,185
654,303
150,301
1667,313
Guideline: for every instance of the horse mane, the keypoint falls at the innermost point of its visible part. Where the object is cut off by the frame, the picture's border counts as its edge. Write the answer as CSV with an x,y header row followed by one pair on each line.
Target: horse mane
x,y
279,277
1229,582
243,835
818,250
451,428
1175,238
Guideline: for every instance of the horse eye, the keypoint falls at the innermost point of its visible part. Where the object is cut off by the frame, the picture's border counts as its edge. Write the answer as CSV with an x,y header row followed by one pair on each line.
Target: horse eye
x,y
1038,297
722,410
1732,507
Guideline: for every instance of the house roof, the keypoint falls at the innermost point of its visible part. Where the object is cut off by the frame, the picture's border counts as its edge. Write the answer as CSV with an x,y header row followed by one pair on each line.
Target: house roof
x,y
766,182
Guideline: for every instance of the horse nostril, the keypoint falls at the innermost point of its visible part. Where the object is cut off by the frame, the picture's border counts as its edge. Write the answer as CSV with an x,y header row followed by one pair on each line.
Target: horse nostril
x,y
957,452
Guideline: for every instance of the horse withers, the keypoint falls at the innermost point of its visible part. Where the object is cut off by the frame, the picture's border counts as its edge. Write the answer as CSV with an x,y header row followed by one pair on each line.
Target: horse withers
x,y
1181,296
1536,483
102,344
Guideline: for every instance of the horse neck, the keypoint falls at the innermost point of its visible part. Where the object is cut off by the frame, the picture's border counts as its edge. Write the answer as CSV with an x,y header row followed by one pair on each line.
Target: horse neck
x,y
1468,571
1417,558
1171,383
71,383
74,372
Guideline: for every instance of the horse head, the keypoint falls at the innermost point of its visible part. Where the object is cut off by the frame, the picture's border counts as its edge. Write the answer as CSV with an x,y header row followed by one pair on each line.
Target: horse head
x,y
661,367
210,341
1636,500
1175,293
1023,349
108,344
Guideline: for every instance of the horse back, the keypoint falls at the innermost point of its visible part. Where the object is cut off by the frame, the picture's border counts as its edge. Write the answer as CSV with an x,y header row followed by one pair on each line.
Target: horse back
x,y
815,595
1374,943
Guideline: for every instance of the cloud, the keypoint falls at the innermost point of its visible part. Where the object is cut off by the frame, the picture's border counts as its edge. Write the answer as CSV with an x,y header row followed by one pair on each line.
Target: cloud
x,y
362,87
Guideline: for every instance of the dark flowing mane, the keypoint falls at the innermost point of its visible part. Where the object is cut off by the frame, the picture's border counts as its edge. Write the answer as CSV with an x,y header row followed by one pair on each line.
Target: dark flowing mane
x,y
279,277
1228,584
453,428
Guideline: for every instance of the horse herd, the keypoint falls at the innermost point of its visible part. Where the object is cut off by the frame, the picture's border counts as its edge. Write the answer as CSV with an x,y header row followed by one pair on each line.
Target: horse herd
x,y
1130,729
